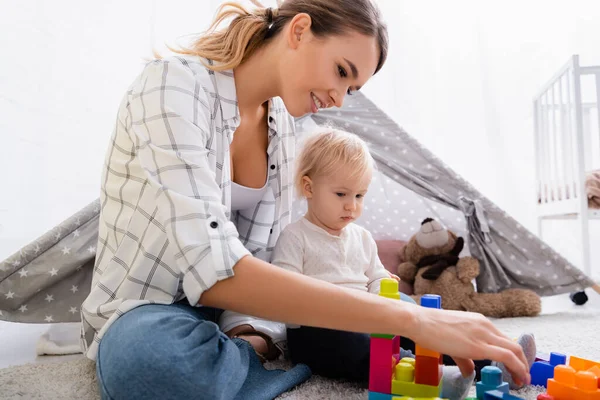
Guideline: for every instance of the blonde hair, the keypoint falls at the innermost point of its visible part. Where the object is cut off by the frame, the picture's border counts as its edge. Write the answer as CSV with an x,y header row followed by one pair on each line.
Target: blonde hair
x,y
326,152
250,30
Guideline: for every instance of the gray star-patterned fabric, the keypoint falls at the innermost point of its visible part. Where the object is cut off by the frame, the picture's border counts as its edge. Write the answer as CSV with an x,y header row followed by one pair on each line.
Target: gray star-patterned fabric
x,y
47,280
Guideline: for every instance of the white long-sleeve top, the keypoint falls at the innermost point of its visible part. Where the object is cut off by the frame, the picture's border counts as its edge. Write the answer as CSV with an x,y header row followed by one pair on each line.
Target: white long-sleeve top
x,y
348,260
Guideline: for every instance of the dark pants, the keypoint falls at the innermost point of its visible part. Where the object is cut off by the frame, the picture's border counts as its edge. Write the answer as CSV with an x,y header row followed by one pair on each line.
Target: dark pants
x,y
343,355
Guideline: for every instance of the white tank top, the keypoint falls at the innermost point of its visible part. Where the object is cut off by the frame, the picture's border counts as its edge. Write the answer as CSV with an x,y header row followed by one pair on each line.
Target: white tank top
x,y
243,197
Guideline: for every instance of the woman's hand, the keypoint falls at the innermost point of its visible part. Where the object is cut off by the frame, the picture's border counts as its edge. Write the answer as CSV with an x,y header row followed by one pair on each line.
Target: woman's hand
x,y
467,336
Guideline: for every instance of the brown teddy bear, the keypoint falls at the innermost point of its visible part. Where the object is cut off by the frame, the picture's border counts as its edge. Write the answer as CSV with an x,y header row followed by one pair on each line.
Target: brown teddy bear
x,y
432,264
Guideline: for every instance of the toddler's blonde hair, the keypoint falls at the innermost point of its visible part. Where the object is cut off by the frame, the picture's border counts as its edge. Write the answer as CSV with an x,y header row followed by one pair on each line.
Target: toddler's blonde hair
x,y
326,152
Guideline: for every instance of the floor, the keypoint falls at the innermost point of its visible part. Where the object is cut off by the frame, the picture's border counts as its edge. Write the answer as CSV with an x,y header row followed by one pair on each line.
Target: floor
x,y
18,341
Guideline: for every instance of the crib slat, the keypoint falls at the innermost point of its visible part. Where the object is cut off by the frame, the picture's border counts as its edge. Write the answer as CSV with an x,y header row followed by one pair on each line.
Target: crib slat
x,y
596,161
544,147
572,137
558,137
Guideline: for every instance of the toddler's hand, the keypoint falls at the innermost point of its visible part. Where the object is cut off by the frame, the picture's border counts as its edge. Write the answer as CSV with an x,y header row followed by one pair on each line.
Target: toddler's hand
x,y
396,277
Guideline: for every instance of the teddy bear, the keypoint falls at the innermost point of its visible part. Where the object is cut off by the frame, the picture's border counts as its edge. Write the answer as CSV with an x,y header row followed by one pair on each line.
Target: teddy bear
x,y
432,263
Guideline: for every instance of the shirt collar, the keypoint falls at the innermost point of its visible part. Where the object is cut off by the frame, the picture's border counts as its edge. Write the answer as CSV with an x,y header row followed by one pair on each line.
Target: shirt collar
x,y
227,95
322,231
225,83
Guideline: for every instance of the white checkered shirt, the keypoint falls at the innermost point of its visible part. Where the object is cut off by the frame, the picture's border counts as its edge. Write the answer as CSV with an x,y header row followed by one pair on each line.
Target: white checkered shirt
x,y
166,228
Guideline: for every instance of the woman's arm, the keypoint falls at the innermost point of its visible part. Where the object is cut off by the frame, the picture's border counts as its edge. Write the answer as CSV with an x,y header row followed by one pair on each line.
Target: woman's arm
x,y
266,291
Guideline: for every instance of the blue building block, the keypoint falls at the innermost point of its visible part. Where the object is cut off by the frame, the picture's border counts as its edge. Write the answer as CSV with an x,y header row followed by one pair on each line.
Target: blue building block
x,y
379,396
498,395
431,301
491,379
541,371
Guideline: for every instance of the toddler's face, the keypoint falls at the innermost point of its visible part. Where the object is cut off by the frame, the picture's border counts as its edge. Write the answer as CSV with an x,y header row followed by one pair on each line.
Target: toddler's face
x,y
335,201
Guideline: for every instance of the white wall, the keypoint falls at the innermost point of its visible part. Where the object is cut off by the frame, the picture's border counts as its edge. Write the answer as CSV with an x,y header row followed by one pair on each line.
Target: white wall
x,y
65,66
463,75
460,78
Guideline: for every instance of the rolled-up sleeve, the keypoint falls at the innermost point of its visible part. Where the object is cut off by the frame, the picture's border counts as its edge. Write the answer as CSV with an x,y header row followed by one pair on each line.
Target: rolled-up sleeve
x,y
171,124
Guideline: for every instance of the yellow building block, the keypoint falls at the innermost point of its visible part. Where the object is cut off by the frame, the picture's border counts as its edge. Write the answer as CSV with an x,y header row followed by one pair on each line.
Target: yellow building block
x,y
421,351
417,398
403,383
389,289
415,390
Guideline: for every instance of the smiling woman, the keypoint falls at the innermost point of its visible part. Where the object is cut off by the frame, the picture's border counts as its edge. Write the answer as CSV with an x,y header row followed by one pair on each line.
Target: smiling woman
x,y
196,189
333,48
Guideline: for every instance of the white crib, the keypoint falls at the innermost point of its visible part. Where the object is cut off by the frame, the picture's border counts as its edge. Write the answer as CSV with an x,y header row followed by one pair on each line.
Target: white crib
x,y
567,147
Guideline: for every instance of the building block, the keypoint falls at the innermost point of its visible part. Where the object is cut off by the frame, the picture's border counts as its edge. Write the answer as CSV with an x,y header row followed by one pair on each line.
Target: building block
x,y
403,381
498,395
412,389
569,384
541,371
382,336
581,364
381,363
390,379
379,396
380,382
389,288
491,379
545,396
541,356
421,351
428,371
431,301
382,350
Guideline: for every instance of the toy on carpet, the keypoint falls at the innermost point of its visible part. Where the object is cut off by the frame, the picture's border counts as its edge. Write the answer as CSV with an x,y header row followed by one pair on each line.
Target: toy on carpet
x,y
420,378
543,370
580,380
391,377
433,265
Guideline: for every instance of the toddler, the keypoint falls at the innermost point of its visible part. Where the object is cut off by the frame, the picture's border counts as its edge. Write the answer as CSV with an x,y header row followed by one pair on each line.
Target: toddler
x,y
334,172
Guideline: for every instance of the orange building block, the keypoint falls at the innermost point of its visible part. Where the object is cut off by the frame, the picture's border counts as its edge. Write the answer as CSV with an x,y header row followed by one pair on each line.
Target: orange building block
x,y
428,371
568,384
581,364
421,351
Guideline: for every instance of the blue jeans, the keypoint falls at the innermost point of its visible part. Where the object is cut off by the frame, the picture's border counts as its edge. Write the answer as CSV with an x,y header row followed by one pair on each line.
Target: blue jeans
x,y
178,352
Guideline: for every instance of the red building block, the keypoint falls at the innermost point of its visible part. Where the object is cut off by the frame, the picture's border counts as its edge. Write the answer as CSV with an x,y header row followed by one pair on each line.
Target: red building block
x,y
544,396
428,371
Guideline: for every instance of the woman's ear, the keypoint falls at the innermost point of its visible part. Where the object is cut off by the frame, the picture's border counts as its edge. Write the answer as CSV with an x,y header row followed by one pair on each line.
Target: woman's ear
x,y
299,29
307,187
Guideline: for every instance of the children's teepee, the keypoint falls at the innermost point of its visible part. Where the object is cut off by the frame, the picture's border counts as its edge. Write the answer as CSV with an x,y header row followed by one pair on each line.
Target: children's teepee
x,y
47,280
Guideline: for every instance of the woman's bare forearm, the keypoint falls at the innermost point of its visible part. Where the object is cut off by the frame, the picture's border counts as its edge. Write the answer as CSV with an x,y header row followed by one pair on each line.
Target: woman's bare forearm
x,y
266,291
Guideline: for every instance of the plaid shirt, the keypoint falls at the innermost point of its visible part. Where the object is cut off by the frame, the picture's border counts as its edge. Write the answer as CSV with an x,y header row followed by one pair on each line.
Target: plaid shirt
x,y
166,227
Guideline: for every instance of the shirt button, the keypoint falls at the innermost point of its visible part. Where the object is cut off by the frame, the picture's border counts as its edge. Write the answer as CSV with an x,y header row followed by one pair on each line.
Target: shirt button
x,y
273,166
214,224
271,231
271,119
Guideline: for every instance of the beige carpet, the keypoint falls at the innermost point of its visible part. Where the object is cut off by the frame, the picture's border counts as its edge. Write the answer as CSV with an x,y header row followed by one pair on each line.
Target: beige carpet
x,y
574,331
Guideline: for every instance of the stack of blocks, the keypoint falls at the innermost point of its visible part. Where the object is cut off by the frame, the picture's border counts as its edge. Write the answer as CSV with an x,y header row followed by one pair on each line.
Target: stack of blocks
x,y
580,380
391,378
